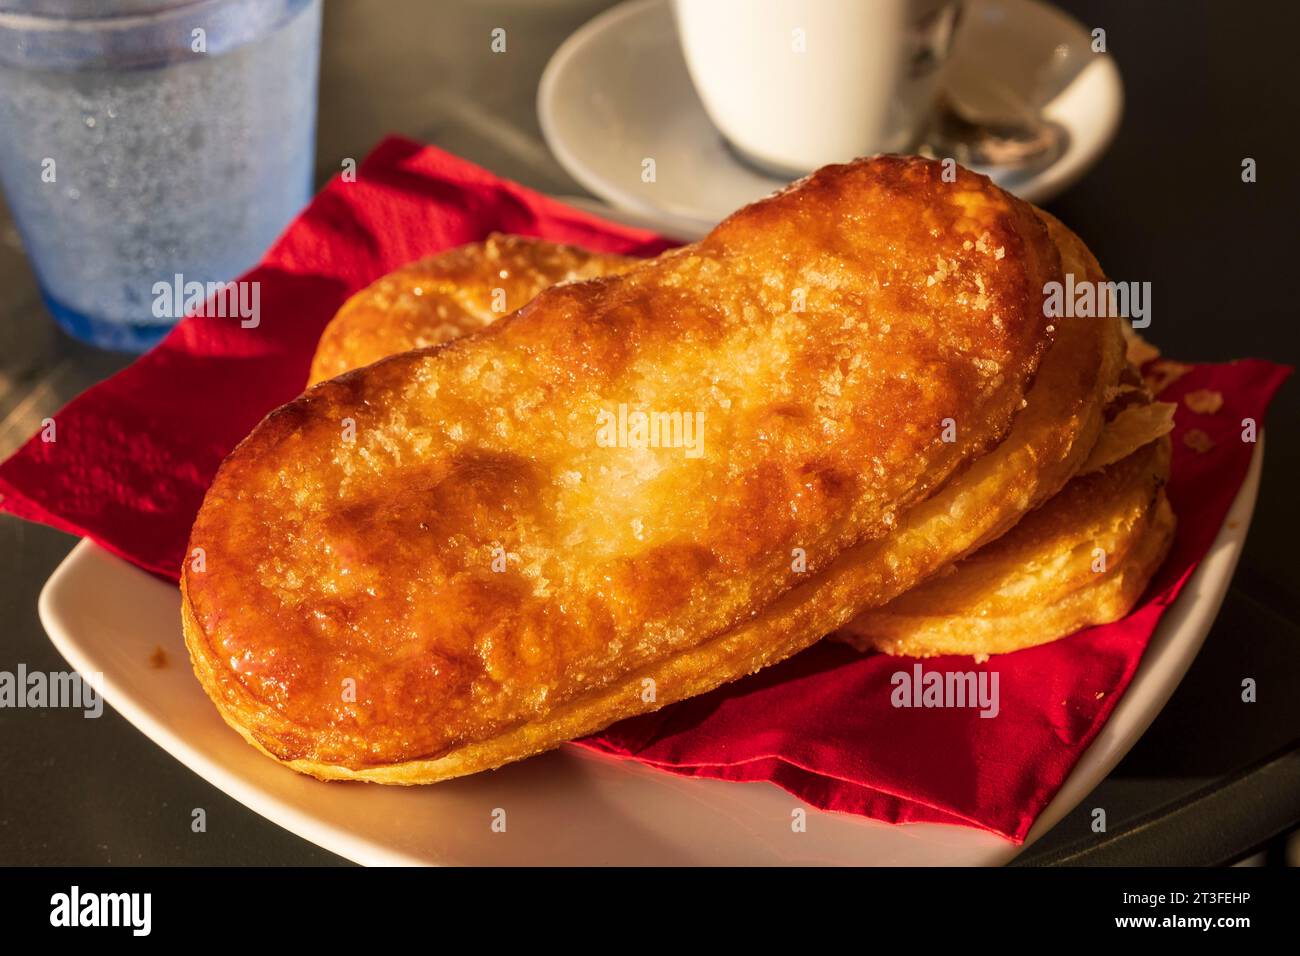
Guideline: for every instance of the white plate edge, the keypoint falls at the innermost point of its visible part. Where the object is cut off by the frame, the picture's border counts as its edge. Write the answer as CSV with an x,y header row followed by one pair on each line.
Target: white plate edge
x,y
280,812
1163,653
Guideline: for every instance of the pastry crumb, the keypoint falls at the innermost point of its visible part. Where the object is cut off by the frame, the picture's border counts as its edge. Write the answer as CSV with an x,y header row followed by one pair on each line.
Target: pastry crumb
x,y
1164,373
1198,441
1204,401
158,659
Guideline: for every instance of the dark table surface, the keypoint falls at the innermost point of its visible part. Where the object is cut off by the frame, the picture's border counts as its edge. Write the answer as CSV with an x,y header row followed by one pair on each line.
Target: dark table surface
x,y
1206,84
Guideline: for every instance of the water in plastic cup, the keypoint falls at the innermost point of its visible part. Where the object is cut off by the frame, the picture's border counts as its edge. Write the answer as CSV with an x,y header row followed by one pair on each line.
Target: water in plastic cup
x,y
145,140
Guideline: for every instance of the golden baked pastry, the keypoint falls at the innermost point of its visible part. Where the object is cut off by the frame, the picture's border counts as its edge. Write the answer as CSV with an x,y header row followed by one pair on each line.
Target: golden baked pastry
x,y
1082,559
951,614
446,296
1043,580
433,565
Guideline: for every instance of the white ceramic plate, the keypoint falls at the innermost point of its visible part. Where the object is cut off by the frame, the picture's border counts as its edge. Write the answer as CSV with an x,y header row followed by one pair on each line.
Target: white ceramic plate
x,y
617,92
567,807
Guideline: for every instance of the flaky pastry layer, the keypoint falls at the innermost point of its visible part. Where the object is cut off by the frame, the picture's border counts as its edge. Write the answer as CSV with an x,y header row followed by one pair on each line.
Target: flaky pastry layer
x,y
1082,559
449,295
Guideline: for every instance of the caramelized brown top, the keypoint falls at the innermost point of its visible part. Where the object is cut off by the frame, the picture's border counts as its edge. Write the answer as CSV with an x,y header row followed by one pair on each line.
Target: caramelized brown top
x,y
447,532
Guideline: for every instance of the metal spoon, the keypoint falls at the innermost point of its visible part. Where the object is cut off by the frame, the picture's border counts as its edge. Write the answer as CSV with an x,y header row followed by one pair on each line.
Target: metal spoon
x,y
1003,143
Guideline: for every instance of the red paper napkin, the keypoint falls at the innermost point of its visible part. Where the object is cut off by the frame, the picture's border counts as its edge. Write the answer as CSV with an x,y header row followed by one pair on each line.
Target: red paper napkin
x,y
134,455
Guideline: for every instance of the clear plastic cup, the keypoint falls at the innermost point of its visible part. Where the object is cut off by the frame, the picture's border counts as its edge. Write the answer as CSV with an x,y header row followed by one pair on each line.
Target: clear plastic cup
x,y
152,141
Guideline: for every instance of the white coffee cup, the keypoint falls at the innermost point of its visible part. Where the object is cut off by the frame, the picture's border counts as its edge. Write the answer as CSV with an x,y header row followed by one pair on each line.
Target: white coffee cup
x,y
796,84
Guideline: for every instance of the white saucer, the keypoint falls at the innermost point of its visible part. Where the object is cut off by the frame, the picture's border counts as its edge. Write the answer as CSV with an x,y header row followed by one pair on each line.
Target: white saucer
x,y
617,92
